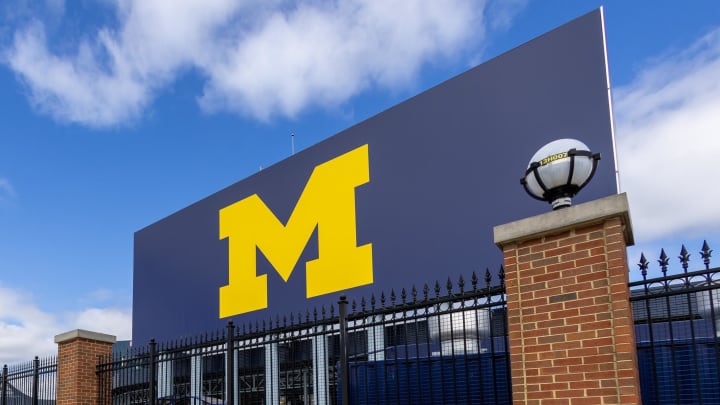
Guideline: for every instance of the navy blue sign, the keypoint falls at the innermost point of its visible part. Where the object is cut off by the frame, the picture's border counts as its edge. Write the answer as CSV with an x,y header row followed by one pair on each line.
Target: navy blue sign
x,y
407,197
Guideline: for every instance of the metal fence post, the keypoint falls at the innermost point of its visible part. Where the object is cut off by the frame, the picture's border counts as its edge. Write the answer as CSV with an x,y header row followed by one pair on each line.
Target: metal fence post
x,y
344,376
230,362
35,380
153,372
3,399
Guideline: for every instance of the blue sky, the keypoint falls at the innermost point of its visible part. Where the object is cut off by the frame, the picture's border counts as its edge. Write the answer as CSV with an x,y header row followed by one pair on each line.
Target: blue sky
x,y
116,114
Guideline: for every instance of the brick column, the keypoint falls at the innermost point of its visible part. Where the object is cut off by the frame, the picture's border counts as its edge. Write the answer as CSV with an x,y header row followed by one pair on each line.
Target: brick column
x,y
78,354
571,333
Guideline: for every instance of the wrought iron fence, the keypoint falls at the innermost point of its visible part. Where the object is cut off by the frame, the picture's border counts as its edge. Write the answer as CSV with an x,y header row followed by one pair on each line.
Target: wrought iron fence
x,y
431,349
433,346
437,345
30,383
677,328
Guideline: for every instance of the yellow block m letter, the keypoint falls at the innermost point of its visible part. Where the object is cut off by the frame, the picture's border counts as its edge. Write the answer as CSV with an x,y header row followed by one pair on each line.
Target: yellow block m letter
x,y
328,204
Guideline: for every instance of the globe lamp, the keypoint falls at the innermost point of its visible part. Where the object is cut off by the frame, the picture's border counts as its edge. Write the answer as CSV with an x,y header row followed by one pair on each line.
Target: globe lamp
x,y
558,171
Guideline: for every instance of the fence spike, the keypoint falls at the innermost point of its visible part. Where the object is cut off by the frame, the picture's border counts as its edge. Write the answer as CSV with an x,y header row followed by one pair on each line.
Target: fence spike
x,y
353,306
684,258
437,289
426,291
372,301
382,299
322,312
403,295
705,253
643,264
392,296
663,262
332,311
414,294
488,278
474,280
501,275
449,286
461,284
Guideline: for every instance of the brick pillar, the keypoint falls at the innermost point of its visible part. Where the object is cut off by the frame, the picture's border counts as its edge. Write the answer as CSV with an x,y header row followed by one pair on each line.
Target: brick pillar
x,y
78,354
571,333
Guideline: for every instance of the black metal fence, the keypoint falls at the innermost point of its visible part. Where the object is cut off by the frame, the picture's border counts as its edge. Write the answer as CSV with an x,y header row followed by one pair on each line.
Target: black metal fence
x,y
443,344
30,383
677,328
437,345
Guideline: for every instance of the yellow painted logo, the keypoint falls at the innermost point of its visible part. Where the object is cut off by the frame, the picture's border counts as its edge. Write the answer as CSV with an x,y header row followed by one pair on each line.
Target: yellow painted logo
x,y
326,203
553,158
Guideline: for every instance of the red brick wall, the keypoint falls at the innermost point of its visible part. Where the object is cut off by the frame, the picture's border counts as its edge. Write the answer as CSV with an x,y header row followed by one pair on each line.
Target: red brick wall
x,y
77,381
570,321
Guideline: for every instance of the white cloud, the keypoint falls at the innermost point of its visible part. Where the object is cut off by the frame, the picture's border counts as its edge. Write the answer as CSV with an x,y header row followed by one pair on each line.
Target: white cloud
x,y
667,132
258,58
324,55
112,321
77,89
27,331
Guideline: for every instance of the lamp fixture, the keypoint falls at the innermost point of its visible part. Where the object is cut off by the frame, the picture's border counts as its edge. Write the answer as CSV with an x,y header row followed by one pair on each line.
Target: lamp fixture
x,y
558,171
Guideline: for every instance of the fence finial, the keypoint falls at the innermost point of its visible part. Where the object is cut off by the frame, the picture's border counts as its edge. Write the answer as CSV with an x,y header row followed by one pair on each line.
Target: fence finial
x,y
684,258
663,262
643,265
705,253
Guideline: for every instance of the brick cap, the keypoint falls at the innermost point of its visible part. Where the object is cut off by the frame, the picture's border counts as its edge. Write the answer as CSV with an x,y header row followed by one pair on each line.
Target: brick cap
x,y
572,217
85,334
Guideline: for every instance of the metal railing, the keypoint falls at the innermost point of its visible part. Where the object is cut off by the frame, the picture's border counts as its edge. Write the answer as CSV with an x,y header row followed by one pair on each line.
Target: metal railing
x,y
677,328
429,348
30,383
437,345
434,346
